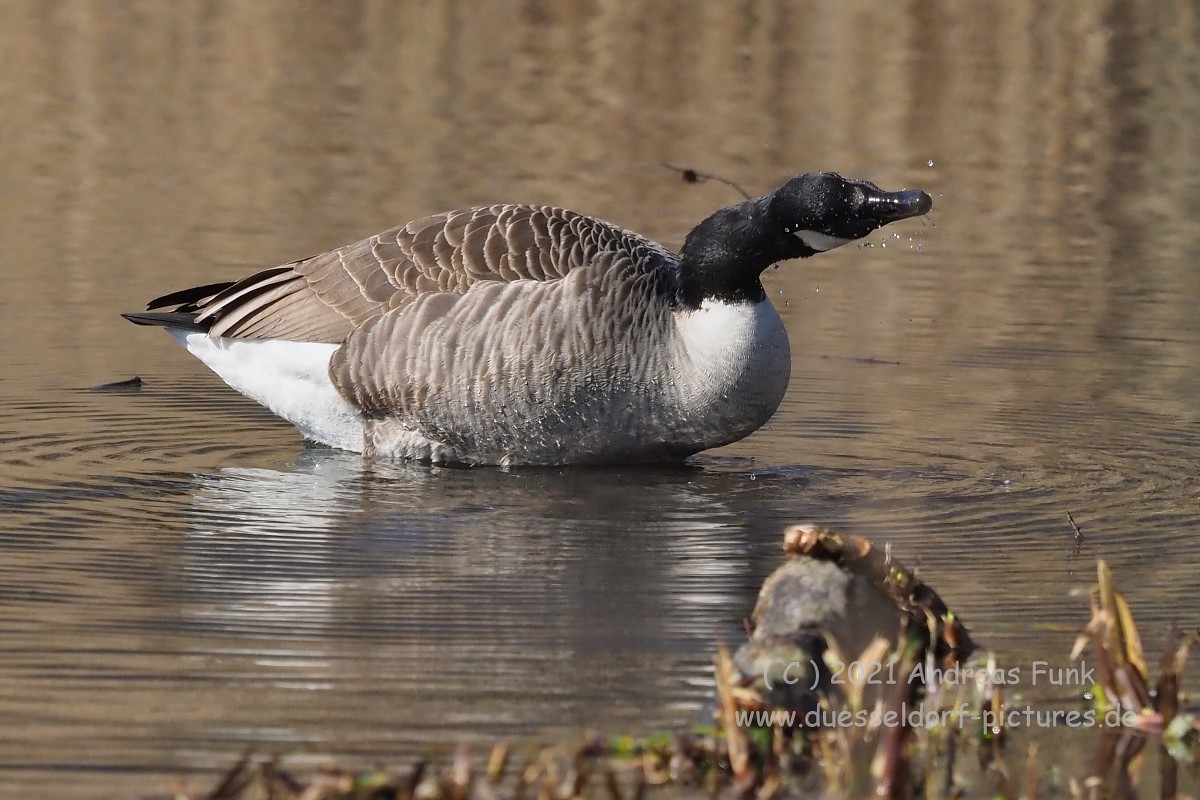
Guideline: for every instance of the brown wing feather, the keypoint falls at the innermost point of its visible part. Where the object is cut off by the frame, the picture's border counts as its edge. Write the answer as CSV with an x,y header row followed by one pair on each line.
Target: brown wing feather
x,y
325,297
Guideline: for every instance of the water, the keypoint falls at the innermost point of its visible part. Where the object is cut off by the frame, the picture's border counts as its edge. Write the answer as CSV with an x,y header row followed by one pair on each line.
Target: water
x,y
182,578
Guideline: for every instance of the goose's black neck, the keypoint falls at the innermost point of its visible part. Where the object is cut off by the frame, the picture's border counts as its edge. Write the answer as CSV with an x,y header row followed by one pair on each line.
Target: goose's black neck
x,y
723,257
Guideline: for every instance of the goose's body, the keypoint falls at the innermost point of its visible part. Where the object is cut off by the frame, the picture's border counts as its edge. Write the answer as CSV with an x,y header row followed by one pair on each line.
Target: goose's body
x,y
527,335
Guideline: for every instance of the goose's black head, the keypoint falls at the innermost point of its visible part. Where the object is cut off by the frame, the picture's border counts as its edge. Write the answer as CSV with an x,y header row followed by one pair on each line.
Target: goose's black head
x,y
724,255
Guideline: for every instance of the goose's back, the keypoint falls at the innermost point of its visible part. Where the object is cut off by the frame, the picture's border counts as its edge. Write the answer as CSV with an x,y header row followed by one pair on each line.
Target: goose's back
x,y
326,297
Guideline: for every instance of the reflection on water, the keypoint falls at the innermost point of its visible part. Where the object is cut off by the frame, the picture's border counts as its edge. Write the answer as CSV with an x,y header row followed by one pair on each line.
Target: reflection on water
x,y
180,577
410,604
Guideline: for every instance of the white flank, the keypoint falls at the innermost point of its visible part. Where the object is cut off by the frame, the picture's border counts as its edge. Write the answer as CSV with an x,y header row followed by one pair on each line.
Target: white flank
x,y
820,241
289,378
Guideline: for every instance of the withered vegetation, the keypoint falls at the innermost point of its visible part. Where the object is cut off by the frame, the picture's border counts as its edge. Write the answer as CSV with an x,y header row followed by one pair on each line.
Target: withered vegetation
x,y
905,737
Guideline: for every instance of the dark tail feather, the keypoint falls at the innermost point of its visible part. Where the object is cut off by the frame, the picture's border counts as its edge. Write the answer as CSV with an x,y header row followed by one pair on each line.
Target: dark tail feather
x,y
188,298
167,319
183,317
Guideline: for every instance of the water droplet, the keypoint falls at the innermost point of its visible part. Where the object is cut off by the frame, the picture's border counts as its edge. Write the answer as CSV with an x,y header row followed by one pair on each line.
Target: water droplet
x,y
920,247
929,163
787,303
781,292
883,244
895,235
753,477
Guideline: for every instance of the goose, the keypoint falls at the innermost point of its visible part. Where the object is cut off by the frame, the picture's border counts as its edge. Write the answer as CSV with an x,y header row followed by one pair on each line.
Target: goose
x,y
521,334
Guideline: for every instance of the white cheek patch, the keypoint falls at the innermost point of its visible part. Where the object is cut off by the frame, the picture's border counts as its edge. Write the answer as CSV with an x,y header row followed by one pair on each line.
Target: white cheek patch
x,y
819,241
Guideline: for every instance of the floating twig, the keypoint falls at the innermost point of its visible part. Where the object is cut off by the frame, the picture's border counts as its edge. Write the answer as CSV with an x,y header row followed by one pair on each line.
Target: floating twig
x,y
692,176
127,385
1075,529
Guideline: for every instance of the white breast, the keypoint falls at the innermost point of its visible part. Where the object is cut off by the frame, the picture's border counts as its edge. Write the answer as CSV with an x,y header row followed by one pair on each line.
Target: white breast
x,y
732,367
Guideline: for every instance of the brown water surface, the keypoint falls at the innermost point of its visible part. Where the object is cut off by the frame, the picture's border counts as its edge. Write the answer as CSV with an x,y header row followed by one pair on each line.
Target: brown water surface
x,y
181,578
